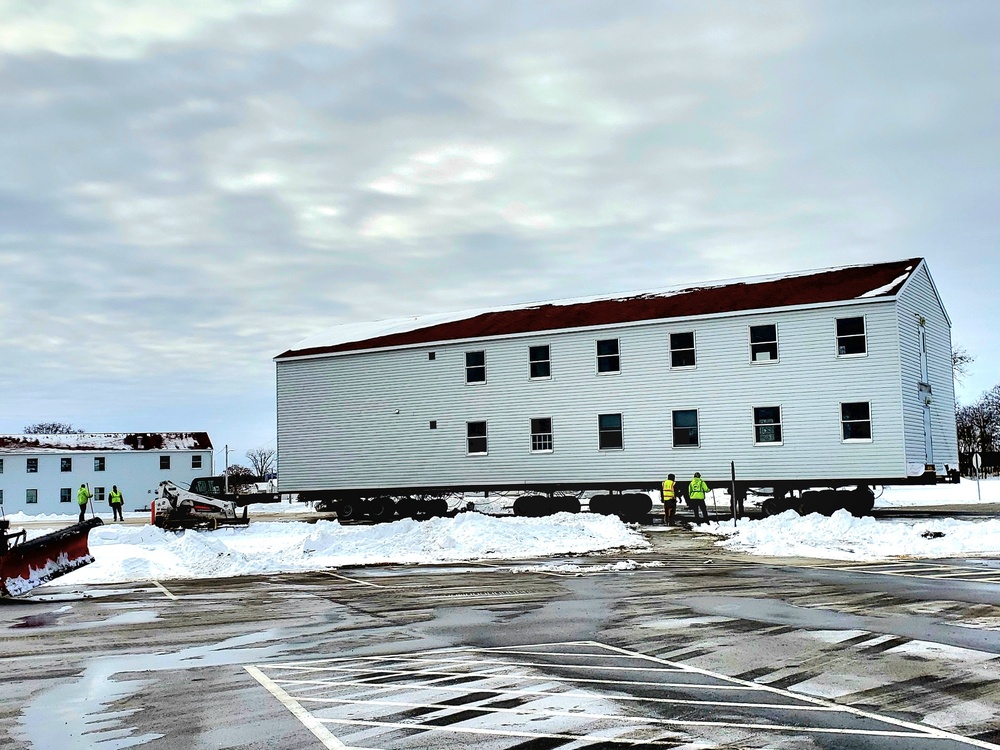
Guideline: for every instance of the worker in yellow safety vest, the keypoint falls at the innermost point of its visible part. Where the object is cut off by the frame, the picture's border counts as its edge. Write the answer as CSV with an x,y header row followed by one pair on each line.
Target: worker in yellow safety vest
x,y
669,495
82,498
116,501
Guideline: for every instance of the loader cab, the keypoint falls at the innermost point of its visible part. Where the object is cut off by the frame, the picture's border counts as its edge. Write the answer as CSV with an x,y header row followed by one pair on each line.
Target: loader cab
x,y
209,486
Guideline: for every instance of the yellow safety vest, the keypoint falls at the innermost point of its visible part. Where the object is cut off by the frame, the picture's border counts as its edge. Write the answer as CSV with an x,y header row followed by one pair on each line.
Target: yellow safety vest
x,y
115,497
668,489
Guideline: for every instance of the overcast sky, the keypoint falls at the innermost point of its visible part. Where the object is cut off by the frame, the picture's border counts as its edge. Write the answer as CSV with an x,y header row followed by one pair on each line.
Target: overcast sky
x,y
188,188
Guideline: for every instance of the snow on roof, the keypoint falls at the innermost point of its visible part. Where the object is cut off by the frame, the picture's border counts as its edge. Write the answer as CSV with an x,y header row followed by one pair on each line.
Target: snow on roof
x,y
105,441
737,295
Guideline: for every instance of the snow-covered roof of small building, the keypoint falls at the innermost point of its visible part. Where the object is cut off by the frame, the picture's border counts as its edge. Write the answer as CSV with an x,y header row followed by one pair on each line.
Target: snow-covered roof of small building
x,y
106,441
830,285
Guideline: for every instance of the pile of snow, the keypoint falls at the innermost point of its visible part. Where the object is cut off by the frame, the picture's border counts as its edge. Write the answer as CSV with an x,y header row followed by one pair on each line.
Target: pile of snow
x,y
963,493
844,537
128,553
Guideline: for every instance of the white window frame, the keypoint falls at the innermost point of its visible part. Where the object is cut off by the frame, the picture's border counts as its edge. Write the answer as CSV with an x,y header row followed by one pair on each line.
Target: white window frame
x,y
777,345
67,493
621,430
598,356
697,426
780,424
196,457
100,463
99,494
693,349
547,361
66,464
864,336
871,430
469,367
167,467
28,466
485,437
541,435
31,496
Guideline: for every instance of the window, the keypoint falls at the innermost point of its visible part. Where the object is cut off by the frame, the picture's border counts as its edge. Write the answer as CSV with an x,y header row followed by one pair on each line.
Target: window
x,y
98,463
32,466
607,356
539,364
66,495
767,425
433,424
164,462
431,356
609,431
475,367
31,496
98,494
195,461
541,434
686,428
1,497
1,466
856,420
65,464
851,337
476,437
763,343
682,350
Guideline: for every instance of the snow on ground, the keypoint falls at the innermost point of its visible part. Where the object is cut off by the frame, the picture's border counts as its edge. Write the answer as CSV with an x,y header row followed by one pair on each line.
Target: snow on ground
x,y
963,493
131,553
844,537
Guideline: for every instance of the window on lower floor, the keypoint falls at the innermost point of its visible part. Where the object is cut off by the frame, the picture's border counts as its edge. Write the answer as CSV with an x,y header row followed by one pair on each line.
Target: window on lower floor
x,y
539,364
66,495
475,367
764,343
541,434
767,425
682,350
608,359
98,494
856,420
98,463
31,496
1,497
685,422
609,432
195,462
851,339
32,466
164,462
476,438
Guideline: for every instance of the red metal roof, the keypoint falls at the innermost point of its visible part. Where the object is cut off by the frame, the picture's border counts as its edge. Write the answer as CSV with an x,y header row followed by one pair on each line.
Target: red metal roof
x,y
812,288
106,441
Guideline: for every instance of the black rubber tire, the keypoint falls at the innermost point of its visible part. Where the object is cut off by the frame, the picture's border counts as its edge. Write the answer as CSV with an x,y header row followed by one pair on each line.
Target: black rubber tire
x,y
348,510
406,507
565,504
601,504
381,509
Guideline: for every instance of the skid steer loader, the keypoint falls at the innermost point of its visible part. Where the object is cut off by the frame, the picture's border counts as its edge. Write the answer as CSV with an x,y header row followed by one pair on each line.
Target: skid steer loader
x,y
26,564
177,508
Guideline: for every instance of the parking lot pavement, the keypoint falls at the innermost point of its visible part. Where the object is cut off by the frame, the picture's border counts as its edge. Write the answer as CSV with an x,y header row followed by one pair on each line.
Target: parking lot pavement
x,y
689,648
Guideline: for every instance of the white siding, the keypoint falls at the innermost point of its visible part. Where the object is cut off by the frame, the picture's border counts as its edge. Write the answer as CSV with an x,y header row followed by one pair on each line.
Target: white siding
x,y
137,474
918,301
338,424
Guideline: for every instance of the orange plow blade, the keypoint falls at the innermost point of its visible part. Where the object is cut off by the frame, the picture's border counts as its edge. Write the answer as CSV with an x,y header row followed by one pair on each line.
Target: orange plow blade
x,y
30,564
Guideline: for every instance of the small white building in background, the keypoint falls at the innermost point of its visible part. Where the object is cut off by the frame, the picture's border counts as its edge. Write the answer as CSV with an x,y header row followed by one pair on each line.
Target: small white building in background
x,y
41,474
818,378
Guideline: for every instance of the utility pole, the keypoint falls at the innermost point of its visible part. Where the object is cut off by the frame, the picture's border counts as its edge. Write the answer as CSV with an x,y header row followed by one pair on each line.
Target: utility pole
x,y
225,474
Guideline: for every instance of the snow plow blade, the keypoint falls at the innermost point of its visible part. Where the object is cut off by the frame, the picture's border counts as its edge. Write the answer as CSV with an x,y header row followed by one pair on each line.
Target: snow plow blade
x,y
29,564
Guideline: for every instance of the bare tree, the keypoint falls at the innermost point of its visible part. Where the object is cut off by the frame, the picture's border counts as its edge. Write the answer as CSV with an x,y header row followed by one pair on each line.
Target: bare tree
x,y
978,425
960,361
51,428
261,461
239,478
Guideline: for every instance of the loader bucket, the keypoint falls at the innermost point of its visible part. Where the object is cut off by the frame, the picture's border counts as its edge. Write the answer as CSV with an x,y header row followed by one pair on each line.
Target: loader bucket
x,y
30,564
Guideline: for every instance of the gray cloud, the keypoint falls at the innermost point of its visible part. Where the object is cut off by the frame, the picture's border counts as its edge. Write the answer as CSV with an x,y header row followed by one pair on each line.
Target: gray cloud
x,y
186,190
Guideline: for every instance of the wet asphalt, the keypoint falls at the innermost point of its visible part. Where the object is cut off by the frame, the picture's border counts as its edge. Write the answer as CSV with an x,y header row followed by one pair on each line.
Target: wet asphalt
x,y
683,646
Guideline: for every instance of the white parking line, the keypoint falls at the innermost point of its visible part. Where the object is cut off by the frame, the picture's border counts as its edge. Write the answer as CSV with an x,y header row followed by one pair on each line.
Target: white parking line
x,y
163,588
355,580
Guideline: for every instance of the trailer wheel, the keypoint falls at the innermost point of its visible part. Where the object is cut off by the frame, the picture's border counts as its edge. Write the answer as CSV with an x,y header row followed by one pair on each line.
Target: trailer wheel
x,y
566,504
348,510
601,504
381,508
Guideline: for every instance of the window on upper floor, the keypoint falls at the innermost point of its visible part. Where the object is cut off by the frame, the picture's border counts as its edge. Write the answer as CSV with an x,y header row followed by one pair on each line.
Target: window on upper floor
x,y
541,435
856,421
610,435
66,495
475,367
65,464
851,337
608,359
32,466
164,462
682,350
431,356
685,426
476,438
98,463
539,363
196,461
767,425
1,466
31,496
764,343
